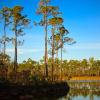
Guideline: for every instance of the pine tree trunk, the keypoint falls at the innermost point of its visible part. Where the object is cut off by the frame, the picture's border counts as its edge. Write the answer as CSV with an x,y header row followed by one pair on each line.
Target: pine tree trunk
x,y
61,65
15,44
4,37
61,58
57,55
46,56
53,29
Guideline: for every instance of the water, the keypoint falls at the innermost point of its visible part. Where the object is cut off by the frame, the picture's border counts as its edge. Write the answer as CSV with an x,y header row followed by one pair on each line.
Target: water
x,y
83,91
81,96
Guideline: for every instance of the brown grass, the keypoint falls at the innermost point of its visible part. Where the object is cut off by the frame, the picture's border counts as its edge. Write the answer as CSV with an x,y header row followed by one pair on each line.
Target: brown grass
x,y
86,78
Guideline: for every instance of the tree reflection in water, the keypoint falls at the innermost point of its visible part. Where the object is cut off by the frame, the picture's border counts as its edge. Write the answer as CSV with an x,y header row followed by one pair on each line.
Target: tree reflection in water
x,y
83,91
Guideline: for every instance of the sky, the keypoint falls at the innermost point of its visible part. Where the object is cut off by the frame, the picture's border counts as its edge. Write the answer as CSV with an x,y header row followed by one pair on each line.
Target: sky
x,y
81,18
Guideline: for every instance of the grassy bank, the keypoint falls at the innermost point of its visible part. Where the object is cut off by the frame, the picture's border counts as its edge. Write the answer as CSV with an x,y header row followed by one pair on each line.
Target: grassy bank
x,y
86,78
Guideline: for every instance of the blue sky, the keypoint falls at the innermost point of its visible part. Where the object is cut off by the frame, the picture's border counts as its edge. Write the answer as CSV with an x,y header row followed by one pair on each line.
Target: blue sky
x,y
81,18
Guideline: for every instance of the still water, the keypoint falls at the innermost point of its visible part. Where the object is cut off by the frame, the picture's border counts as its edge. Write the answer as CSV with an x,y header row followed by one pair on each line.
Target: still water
x,y
83,91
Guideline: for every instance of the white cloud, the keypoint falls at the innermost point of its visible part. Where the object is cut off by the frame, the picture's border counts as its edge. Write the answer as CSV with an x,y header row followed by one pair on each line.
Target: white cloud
x,y
23,51
77,46
86,46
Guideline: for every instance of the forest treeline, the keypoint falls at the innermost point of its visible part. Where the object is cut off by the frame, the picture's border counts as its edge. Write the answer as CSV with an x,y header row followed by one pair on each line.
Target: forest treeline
x,y
31,71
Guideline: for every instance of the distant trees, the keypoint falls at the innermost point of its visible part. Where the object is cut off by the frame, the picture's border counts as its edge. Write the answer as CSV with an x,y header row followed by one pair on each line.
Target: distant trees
x,y
27,65
35,70
70,68
4,62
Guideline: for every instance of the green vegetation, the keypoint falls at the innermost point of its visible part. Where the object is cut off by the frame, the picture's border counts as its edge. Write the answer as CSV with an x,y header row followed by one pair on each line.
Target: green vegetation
x,y
32,72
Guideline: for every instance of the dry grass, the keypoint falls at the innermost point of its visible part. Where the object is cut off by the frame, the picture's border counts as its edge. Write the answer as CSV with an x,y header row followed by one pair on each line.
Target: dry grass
x,y
86,78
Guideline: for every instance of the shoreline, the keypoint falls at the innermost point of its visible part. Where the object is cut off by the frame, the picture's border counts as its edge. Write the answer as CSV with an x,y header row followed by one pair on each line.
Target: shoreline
x,y
85,78
49,90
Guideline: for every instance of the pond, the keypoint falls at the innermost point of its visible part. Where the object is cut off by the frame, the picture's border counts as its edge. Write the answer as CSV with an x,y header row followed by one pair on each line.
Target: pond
x,y
83,91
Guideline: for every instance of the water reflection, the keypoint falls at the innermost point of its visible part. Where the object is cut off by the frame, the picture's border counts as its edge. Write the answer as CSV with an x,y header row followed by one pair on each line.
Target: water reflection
x,y
80,91
83,91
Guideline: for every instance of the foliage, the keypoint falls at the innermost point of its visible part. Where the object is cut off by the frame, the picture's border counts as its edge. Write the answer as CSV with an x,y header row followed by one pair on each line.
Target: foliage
x,y
4,59
5,15
55,21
